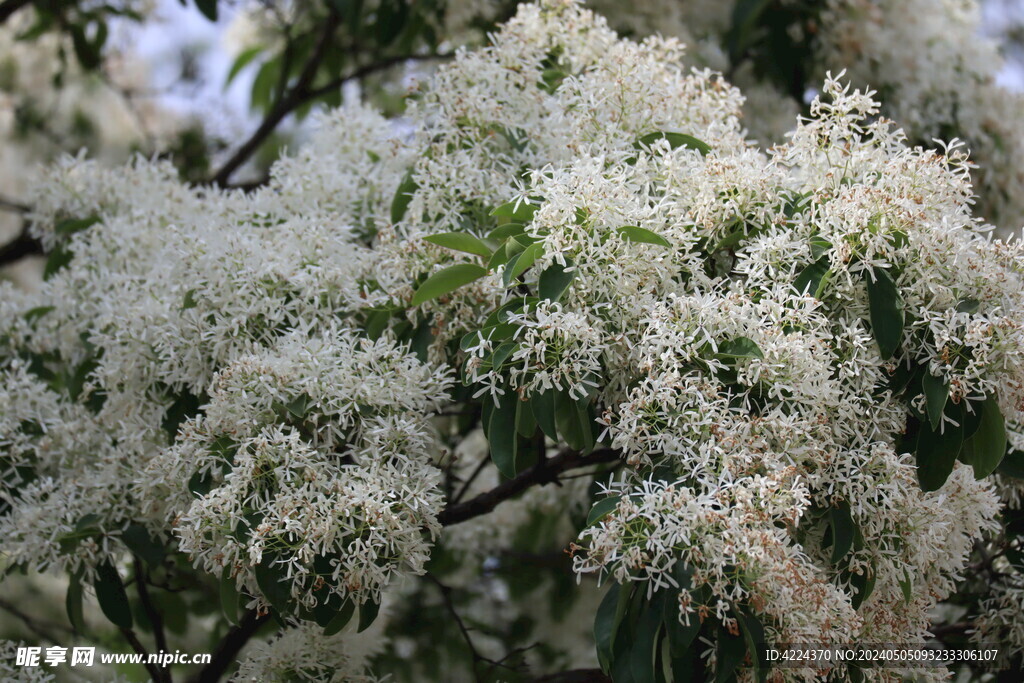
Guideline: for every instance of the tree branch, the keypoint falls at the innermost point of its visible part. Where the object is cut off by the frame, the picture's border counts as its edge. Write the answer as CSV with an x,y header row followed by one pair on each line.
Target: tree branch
x,y
23,245
229,647
295,98
147,605
9,7
545,471
156,672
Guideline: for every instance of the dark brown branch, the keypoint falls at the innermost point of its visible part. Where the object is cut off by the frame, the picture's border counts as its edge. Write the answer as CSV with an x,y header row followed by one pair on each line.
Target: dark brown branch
x,y
544,472
23,245
229,647
152,614
302,93
575,676
9,7
156,672
295,97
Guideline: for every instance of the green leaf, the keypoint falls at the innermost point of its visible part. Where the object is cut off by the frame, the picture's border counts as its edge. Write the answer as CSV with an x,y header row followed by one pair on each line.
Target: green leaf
x,y
189,301
680,636
141,543
501,436
208,8
241,61
1013,464
635,233
645,640
907,586
543,405
986,449
936,453
73,603
753,635
341,619
602,509
111,595
606,623
886,307
968,306
865,585
403,195
228,596
819,247
936,391
447,280
59,258
843,530
813,279
73,225
555,280
675,140
518,210
730,652
567,418
740,347
505,231
270,580
460,241
520,263
37,312
367,615
526,423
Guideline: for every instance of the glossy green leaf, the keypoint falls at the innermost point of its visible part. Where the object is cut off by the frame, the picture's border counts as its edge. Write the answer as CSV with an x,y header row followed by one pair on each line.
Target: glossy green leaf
x,y
675,140
543,405
740,347
936,454
368,612
813,279
754,637
141,542
501,436
111,595
403,195
228,593
241,61
635,233
208,8
986,449
936,391
271,581
447,280
520,263
518,210
843,530
341,619
555,280
886,307
460,241
730,652
645,640
73,603
602,509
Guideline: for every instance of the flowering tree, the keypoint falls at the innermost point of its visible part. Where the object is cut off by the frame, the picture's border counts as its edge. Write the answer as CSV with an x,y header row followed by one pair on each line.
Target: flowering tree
x,y
762,397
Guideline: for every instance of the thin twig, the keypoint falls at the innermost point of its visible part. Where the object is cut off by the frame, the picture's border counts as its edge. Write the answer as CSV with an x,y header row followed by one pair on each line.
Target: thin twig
x,y
545,471
147,605
156,672
296,97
